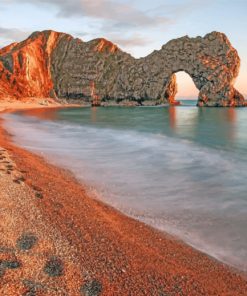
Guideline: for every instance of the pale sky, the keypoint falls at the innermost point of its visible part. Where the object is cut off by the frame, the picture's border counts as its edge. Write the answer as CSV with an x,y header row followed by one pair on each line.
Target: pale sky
x,y
137,26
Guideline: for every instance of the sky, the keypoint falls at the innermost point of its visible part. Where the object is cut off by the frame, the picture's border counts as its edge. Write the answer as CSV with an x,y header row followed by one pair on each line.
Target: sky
x,y
137,26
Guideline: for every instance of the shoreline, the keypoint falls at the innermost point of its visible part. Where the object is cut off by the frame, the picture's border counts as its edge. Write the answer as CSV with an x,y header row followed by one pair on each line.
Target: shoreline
x,y
96,244
12,106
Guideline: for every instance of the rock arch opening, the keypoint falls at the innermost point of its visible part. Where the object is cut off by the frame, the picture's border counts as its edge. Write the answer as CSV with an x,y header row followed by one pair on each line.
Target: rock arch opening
x,y
185,87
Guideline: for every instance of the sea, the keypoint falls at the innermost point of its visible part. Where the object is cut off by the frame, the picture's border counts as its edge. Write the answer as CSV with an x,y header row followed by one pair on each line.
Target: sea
x,y
181,169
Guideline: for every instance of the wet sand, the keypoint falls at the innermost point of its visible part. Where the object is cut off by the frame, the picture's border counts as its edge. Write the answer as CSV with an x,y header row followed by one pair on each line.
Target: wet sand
x,y
32,103
57,240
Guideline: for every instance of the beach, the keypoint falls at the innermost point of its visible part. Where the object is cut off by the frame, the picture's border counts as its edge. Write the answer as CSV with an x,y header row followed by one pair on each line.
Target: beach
x,y
9,105
58,240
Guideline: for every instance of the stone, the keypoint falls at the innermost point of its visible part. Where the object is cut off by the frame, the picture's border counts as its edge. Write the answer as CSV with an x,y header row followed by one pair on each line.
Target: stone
x,y
26,242
91,288
55,64
9,264
33,288
39,195
12,264
30,293
54,267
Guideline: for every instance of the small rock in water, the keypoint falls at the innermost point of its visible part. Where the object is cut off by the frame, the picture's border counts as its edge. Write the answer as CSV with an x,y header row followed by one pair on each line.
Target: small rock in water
x,y
26,242
91,288
54,267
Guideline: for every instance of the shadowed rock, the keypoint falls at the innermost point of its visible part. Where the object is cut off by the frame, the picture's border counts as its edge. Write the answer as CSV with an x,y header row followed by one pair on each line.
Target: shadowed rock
x,y
91,288
26,242
99,71
54,267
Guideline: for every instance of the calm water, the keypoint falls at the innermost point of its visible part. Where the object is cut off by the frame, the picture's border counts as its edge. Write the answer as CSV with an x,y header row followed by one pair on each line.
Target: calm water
x,y
181,169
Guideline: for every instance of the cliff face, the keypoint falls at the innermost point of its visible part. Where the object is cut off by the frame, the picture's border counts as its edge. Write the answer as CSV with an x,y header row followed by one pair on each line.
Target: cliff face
x,y
25,67
51,64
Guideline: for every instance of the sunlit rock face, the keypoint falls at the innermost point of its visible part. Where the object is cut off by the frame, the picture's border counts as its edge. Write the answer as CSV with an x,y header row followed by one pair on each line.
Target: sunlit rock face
x,y
25,67
51,64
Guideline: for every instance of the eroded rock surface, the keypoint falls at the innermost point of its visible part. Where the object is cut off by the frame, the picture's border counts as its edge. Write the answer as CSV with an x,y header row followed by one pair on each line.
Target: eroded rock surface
x,y
51,64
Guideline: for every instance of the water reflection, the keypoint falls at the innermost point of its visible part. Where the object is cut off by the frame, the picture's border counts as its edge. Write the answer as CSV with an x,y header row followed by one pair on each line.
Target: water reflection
x,y
216,125
231,114
42,113
94,114
231,118
173,117
183,120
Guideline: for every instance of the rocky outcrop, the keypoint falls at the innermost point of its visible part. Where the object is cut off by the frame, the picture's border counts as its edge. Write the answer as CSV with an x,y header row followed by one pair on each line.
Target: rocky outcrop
x,y
25,67
51,64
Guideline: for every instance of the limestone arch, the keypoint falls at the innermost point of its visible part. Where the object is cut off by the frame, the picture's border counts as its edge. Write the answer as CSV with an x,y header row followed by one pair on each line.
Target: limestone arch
x,y
211,62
